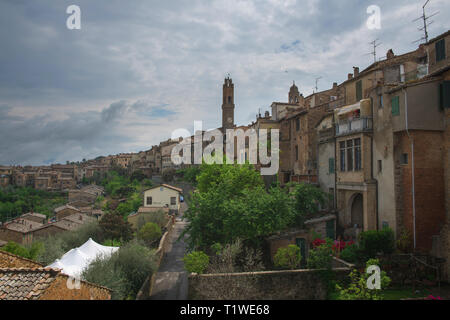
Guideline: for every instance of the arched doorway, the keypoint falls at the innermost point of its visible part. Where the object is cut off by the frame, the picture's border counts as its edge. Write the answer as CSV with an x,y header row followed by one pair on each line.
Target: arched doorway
x,y
357,211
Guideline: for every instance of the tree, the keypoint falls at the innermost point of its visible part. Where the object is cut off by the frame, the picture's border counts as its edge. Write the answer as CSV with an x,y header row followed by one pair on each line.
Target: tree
x,y
307,200
232,203
168,175
137,175
114,227
289,257
149,233
196,262
124,272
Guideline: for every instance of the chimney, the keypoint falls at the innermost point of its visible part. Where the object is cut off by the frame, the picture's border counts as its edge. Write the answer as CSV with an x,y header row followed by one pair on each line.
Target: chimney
x,y
334,85
350,76
390,54
356,71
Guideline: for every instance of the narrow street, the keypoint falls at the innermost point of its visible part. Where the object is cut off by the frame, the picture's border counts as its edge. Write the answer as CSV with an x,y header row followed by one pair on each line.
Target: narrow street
x,y
171,281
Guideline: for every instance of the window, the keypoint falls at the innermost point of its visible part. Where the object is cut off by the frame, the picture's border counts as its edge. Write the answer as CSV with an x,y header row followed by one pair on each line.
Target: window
x,y
229,100
380,103
404,159
380,166
296,152
149,201
440,50
359,90
331,165
297,124
395,103
342,155
350,155
358,164
173,201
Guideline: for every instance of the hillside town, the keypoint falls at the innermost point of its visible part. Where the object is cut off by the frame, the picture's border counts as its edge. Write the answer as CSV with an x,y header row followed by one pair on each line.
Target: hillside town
x,y
377,145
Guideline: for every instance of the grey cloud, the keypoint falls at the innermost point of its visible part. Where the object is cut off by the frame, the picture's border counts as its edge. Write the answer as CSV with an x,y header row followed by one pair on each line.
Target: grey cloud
x,y
164,61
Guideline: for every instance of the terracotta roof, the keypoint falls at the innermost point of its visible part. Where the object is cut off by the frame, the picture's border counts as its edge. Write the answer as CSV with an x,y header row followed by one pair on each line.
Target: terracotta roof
x,y
25,283
167,186
30,283
34,214
65,207
22,225
76,218
67,224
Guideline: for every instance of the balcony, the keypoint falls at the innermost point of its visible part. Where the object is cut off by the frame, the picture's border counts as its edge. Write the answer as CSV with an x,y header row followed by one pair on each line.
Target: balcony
x,y
363,124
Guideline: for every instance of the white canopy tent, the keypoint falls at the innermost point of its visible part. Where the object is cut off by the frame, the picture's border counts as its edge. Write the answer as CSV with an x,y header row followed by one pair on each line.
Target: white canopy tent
x,y
76,260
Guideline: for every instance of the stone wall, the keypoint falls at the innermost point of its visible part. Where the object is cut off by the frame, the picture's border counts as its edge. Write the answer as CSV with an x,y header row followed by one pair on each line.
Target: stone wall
x,y
266,285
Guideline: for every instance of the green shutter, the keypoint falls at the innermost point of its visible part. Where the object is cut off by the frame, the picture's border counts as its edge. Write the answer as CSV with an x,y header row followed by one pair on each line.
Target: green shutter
x,y
444,95
395,102
359,90
440,50
331,165
330,229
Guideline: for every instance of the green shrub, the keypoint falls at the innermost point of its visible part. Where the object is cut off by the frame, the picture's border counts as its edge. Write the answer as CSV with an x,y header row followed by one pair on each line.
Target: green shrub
x,y
358,288
28,252
149,233
196,262
350,254
124,272
320,257
289,257
373,242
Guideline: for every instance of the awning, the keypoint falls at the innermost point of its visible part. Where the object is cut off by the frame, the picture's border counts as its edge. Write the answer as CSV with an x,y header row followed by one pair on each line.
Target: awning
x,y
348,109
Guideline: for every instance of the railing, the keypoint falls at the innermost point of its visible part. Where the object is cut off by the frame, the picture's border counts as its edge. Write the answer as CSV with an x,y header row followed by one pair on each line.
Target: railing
x,y
355,125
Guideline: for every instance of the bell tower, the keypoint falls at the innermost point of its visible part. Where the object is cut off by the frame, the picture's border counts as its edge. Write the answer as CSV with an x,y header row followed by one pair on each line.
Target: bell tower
x,y
294,94
228,104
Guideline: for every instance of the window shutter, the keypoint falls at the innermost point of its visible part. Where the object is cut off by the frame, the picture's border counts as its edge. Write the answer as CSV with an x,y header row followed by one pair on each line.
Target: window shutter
x,y
331,165
440,50
444,95
359,90
395,106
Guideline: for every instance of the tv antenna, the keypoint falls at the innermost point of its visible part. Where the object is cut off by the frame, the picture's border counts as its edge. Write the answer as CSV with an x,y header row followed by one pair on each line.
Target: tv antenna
x,y
426,24
374,52
317,82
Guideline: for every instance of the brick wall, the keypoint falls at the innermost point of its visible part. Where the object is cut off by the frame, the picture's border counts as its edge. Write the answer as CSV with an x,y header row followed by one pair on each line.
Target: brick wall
x,y
429,185
59,290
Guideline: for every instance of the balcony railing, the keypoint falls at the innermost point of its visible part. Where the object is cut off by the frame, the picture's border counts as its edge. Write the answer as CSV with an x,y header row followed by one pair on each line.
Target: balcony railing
x,y
355,125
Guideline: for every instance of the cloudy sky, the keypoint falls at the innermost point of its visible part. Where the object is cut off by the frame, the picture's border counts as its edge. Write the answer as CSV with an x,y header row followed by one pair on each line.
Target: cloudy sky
x,y
139,69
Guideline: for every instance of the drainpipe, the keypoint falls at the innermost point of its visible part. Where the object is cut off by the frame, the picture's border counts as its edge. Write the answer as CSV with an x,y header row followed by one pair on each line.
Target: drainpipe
x,y
412,168
372,169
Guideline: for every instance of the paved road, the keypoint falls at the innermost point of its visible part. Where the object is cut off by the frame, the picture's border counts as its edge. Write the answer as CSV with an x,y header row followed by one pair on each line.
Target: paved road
x,y
171,279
